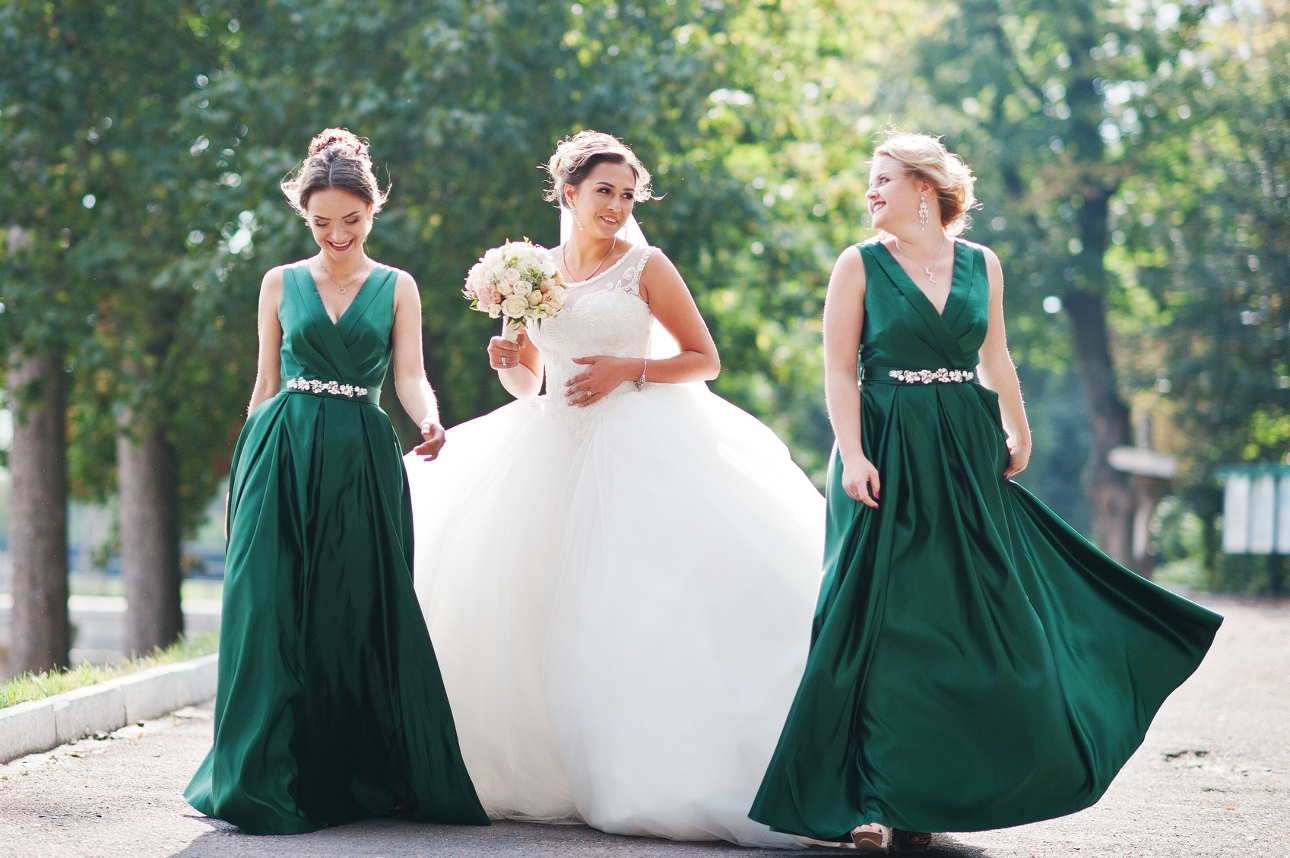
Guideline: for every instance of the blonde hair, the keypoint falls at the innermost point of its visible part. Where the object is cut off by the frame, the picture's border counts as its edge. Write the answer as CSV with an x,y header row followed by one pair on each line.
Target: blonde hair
x,y
926,159
577,156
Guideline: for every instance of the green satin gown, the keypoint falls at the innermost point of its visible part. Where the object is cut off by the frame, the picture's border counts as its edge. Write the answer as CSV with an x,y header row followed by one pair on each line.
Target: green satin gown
x,y
975,663
330,706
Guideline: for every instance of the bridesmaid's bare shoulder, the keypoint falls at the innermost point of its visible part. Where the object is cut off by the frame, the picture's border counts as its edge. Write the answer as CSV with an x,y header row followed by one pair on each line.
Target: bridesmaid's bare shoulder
x,y
849,269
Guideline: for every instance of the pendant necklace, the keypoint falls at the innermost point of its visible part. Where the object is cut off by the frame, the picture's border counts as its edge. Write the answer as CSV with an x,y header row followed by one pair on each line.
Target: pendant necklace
x,y
339,286
608,253
927,269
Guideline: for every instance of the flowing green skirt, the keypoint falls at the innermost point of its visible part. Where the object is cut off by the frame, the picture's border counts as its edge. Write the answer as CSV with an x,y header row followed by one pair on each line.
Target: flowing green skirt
x,y
975,662
330,706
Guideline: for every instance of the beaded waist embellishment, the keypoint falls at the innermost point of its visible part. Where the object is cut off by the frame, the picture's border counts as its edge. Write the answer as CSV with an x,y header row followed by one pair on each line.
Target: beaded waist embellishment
x,y
929,376
335,388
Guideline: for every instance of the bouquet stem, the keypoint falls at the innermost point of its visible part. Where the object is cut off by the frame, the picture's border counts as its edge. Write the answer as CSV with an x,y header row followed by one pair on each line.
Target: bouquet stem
x,y
511,331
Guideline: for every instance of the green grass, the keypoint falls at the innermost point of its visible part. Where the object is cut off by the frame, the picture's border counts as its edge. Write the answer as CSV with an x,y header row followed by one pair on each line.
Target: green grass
x,y
35,686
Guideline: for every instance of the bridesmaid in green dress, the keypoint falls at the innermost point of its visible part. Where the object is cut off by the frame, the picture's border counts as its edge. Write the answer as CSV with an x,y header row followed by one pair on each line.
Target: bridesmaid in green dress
x,y
975,663
330,706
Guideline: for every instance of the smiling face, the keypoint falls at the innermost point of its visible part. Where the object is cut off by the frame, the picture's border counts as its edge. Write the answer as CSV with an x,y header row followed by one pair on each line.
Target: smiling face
x,y
604,200
339,222
894,195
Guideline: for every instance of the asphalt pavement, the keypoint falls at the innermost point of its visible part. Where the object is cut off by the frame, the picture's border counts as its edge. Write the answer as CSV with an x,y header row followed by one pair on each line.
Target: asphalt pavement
x,y
1211,779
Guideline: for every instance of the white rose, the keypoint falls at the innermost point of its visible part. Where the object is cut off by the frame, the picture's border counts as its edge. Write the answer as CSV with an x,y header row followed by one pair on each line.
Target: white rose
x,y
504,287
534,298
495,311
522,288
514,307
512,275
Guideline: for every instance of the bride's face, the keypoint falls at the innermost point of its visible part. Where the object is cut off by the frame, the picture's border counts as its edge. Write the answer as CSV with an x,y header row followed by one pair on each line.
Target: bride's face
x,y
894,194
604,200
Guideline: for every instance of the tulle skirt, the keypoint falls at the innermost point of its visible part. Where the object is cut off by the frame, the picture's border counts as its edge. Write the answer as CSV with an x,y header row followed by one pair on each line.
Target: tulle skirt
x,y
620,598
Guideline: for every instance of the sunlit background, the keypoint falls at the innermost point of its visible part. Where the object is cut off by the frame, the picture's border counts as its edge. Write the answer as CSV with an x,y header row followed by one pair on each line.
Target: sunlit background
x,y
1133,161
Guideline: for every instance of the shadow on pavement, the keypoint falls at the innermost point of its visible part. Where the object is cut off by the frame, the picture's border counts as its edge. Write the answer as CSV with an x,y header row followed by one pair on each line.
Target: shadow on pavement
x,y
390,838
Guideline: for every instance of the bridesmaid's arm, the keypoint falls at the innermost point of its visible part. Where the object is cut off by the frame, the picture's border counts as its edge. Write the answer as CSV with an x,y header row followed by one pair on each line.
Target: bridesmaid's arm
x,y
1000,375
670,301
410,382
268,368
843,325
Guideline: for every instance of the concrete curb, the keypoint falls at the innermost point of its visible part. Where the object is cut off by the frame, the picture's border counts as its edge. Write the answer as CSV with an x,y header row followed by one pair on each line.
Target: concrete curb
x,y
30,728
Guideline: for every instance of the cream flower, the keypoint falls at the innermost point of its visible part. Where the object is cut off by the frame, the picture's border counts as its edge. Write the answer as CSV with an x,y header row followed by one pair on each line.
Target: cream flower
x,y
514,307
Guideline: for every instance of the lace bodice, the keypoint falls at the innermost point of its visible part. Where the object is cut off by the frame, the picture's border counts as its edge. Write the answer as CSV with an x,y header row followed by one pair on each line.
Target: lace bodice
x,y
602,316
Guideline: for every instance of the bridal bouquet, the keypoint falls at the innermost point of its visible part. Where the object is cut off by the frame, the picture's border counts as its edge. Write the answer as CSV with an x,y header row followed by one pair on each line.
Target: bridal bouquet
x,y
517,282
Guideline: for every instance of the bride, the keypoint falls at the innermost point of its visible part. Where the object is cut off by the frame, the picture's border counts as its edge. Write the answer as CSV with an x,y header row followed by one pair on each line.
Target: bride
x,y
619,575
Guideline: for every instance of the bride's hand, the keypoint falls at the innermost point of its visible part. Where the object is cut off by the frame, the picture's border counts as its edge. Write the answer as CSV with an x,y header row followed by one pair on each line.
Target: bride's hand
x,y
603,374
503,354
432,442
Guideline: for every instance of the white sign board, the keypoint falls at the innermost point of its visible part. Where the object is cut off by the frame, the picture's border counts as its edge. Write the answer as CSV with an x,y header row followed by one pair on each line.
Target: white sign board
x,y
1263,510
1283,515
1256,513
1236,514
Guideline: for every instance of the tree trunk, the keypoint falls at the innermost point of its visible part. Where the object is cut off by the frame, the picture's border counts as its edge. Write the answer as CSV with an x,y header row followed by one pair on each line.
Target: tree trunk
x,y
148,483
1109,490
38,518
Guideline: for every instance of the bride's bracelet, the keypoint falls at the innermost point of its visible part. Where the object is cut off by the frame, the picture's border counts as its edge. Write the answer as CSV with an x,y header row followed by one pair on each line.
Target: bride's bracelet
x,y
640,382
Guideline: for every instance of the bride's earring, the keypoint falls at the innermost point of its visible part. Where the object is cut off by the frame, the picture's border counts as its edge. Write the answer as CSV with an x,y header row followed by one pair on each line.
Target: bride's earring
x,y
922,212
576,219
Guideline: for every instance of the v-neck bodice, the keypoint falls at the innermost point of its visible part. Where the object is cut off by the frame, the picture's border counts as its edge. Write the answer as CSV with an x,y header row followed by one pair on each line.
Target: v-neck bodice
x,y
902,329
356,348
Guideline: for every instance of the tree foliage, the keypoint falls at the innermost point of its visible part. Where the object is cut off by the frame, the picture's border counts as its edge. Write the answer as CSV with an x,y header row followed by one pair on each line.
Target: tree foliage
x,y
1132,161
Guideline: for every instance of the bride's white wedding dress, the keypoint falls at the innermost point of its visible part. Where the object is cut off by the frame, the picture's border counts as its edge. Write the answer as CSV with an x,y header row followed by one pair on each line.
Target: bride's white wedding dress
x,y
620,596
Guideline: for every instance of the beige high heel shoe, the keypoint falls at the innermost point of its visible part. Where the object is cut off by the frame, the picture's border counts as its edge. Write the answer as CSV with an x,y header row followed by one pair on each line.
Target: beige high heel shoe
x,y
873,837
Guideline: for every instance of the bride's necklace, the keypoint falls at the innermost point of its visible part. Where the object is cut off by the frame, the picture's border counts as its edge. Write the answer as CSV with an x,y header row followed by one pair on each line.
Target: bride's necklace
x,y
341,287
927,269
608,253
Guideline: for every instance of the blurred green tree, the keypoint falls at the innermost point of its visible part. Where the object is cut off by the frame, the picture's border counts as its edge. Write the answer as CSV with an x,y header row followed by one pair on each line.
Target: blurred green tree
x,y
1203,236
1037,90
93,99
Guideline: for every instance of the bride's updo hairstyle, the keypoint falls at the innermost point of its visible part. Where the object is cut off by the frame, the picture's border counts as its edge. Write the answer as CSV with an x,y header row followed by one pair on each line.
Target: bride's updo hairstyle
x,y
926,159
337,159
577,156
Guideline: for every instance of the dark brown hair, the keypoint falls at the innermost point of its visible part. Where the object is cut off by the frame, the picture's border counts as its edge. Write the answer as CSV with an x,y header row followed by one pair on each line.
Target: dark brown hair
x,y
577,156
337,159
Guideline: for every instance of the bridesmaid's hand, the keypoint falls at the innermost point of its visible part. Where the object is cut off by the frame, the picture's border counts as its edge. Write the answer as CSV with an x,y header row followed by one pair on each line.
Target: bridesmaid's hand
x,y
503,354
433,439
1018,457
603,374
858,479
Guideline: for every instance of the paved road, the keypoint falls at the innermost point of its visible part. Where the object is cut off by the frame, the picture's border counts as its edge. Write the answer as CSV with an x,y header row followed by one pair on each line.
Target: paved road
x,y
1212,779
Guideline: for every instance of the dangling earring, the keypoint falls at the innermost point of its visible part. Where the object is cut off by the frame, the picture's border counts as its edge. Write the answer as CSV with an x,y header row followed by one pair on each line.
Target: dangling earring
x,y
575,217
922,212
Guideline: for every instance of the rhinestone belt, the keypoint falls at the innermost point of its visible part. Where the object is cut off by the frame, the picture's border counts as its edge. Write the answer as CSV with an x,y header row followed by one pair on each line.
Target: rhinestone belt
x,y
874,374
319,387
